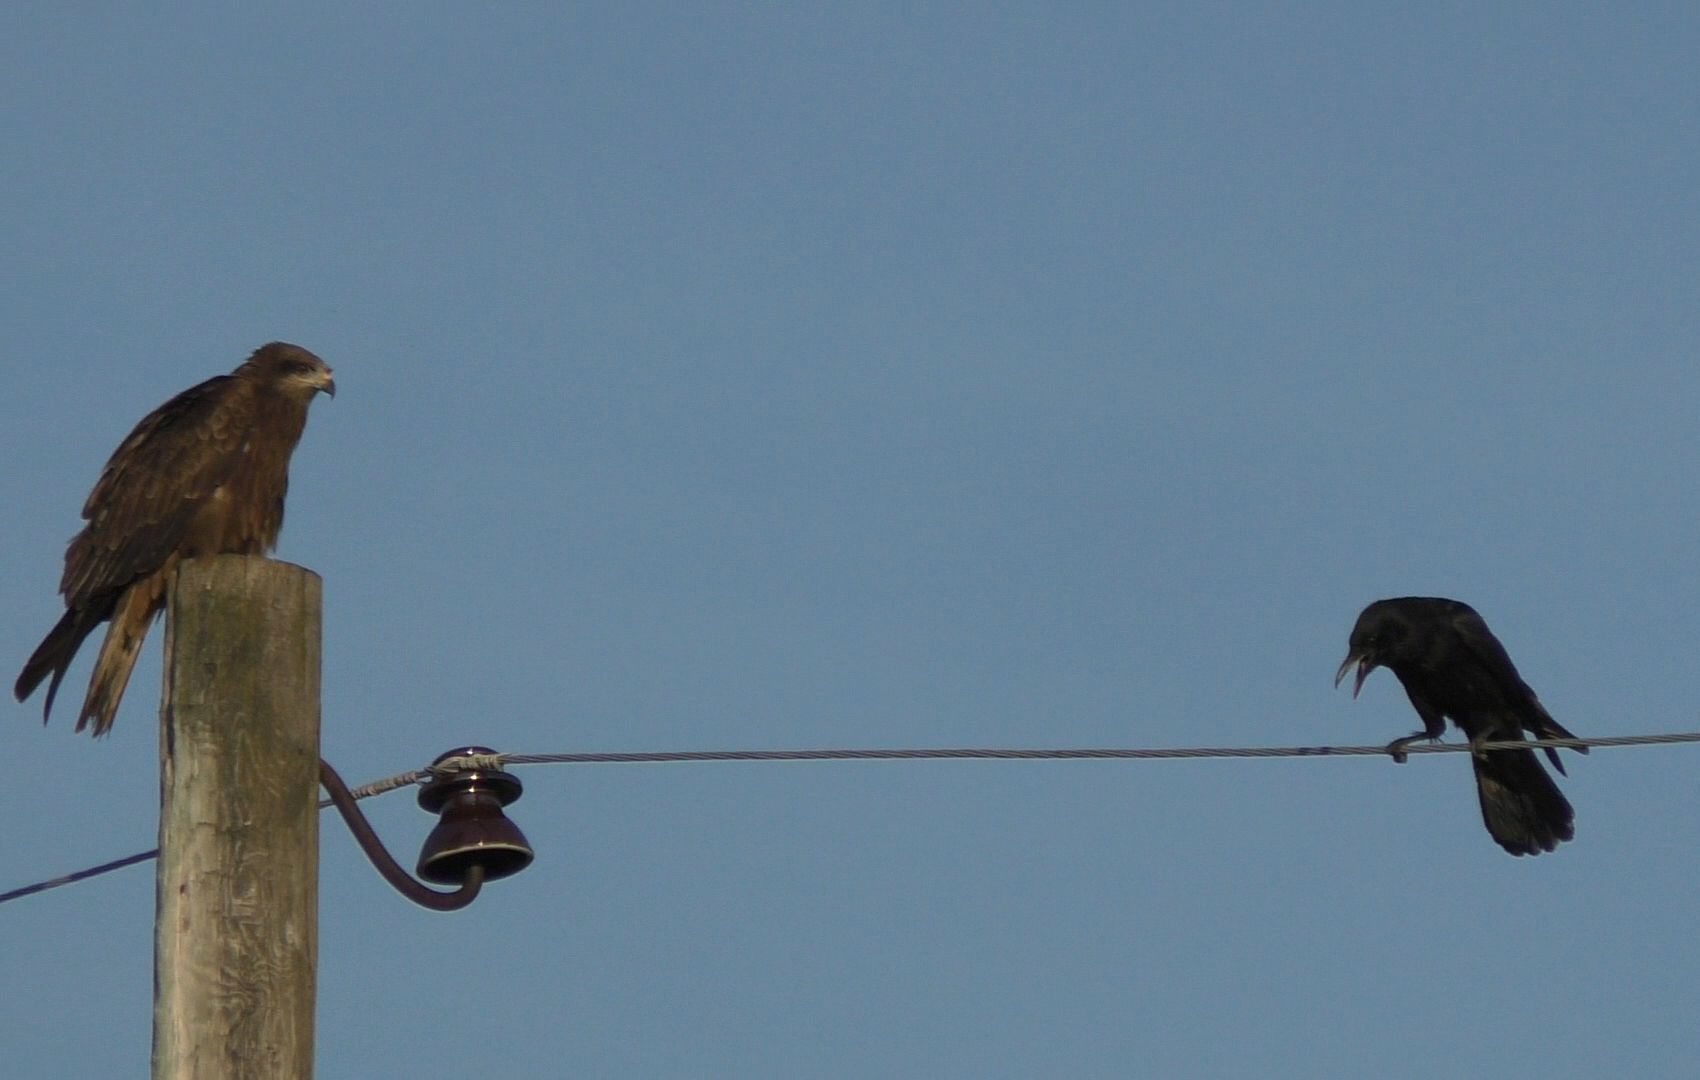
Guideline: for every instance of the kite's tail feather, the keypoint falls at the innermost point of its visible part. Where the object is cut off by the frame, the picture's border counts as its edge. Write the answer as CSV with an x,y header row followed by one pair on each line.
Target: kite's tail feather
x,y
117,659
53,656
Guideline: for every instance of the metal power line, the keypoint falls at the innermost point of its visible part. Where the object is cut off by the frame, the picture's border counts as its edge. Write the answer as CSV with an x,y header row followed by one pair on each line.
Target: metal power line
x,y
451,763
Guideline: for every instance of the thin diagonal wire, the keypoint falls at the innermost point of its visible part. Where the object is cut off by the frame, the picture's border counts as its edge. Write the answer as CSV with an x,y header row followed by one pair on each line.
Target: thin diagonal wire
x,y
80,875
496,761
363,792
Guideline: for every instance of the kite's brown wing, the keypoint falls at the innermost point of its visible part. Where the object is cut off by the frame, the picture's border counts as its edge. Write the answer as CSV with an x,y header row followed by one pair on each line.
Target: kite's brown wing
x,y
140,514
158,479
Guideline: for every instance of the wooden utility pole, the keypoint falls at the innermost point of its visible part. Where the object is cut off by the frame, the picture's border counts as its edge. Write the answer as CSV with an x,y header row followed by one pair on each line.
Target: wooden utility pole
x,y
236,938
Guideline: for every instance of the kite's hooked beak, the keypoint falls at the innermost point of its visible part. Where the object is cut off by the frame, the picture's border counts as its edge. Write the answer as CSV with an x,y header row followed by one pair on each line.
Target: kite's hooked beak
x,y
328,387
1365,665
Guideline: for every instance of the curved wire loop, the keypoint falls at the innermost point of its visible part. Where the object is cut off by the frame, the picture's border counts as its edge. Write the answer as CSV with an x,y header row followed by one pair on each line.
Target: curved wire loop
x,y
385,863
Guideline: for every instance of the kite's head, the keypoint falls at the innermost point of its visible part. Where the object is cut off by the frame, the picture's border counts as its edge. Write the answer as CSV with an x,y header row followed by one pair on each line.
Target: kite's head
x,y
293,369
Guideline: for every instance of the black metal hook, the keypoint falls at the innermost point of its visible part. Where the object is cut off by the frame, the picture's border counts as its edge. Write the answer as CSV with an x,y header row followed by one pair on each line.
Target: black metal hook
x,y
385,862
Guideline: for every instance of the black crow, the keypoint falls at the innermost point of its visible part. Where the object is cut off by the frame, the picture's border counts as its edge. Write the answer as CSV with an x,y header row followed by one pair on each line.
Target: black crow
x,y
1451,665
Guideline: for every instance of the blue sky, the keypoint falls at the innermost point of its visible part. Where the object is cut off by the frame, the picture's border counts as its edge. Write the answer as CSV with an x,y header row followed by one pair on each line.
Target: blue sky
x,y
748,376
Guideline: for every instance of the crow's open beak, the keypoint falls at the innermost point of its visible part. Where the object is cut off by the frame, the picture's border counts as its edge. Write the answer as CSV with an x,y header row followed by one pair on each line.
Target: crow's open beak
x,y
1365,666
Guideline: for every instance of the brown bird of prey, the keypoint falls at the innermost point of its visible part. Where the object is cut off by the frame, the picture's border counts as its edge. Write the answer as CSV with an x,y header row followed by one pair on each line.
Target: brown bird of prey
x,y
1451,665
203,474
